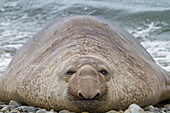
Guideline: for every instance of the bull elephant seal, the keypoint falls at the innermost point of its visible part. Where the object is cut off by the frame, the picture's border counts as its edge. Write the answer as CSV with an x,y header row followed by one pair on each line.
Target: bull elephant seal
x,y
82,63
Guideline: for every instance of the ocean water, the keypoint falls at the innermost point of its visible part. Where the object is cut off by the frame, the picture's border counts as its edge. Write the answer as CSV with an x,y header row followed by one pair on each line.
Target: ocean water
x,y
146,20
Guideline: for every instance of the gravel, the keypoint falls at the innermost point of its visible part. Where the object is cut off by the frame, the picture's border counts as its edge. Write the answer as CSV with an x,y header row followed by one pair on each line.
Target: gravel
x,y
14,107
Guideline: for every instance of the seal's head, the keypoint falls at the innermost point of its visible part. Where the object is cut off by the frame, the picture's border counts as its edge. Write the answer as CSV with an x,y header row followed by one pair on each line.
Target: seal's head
x,y
87,79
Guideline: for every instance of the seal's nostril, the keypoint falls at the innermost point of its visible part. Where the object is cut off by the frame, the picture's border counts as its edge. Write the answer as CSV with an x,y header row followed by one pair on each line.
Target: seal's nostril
x,y
81,96
97,96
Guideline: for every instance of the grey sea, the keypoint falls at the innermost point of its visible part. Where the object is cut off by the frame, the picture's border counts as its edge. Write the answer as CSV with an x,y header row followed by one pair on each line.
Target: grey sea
x,y
146,20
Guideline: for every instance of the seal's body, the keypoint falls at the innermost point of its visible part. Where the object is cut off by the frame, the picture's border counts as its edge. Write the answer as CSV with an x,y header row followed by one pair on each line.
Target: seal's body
x,y
84,64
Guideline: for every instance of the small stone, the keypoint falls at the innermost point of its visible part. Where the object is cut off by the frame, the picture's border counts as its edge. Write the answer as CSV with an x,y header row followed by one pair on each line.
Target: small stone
x,y
158,110
5,109
2,106
150,112
15,111
162,109
167,105
112,111
11,107
41,111
167,109
2,103
120,111
26,109
52,111
64,111
13,103
133,108
149,108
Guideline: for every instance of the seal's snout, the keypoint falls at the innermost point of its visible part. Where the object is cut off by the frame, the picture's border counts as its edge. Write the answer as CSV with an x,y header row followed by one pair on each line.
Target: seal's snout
x,y
87,84
89,89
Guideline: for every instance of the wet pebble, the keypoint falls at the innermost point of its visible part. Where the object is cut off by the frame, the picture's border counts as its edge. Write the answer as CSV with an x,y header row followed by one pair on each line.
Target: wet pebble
x,y
26,109
2,103
64,111
149,108
167,105
167,109
52,111
6,108
13,103
41,111
14,107
133,108
15,111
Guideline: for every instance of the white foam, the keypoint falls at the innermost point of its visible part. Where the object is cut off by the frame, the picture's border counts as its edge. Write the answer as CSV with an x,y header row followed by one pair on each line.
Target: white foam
x,y
128,5
13,3
17,46
19,36
160,51
146,29
4,23
11,41
6,57
4,61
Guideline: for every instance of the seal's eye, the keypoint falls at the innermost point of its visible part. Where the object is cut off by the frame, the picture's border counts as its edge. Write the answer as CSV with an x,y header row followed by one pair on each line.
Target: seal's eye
x,y
103,72
70,72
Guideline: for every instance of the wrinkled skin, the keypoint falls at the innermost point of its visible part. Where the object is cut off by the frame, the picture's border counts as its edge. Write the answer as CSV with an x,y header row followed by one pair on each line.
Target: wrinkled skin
x,y
84,64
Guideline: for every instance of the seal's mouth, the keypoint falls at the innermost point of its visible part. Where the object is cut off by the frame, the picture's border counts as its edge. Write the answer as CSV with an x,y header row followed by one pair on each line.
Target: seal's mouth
x,y
87,105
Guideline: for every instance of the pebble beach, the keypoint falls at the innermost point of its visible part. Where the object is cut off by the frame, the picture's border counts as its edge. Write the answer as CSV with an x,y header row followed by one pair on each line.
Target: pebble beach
x,y
14,107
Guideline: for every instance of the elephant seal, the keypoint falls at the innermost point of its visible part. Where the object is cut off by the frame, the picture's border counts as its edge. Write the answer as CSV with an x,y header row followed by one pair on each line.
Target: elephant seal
x,y
83,63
